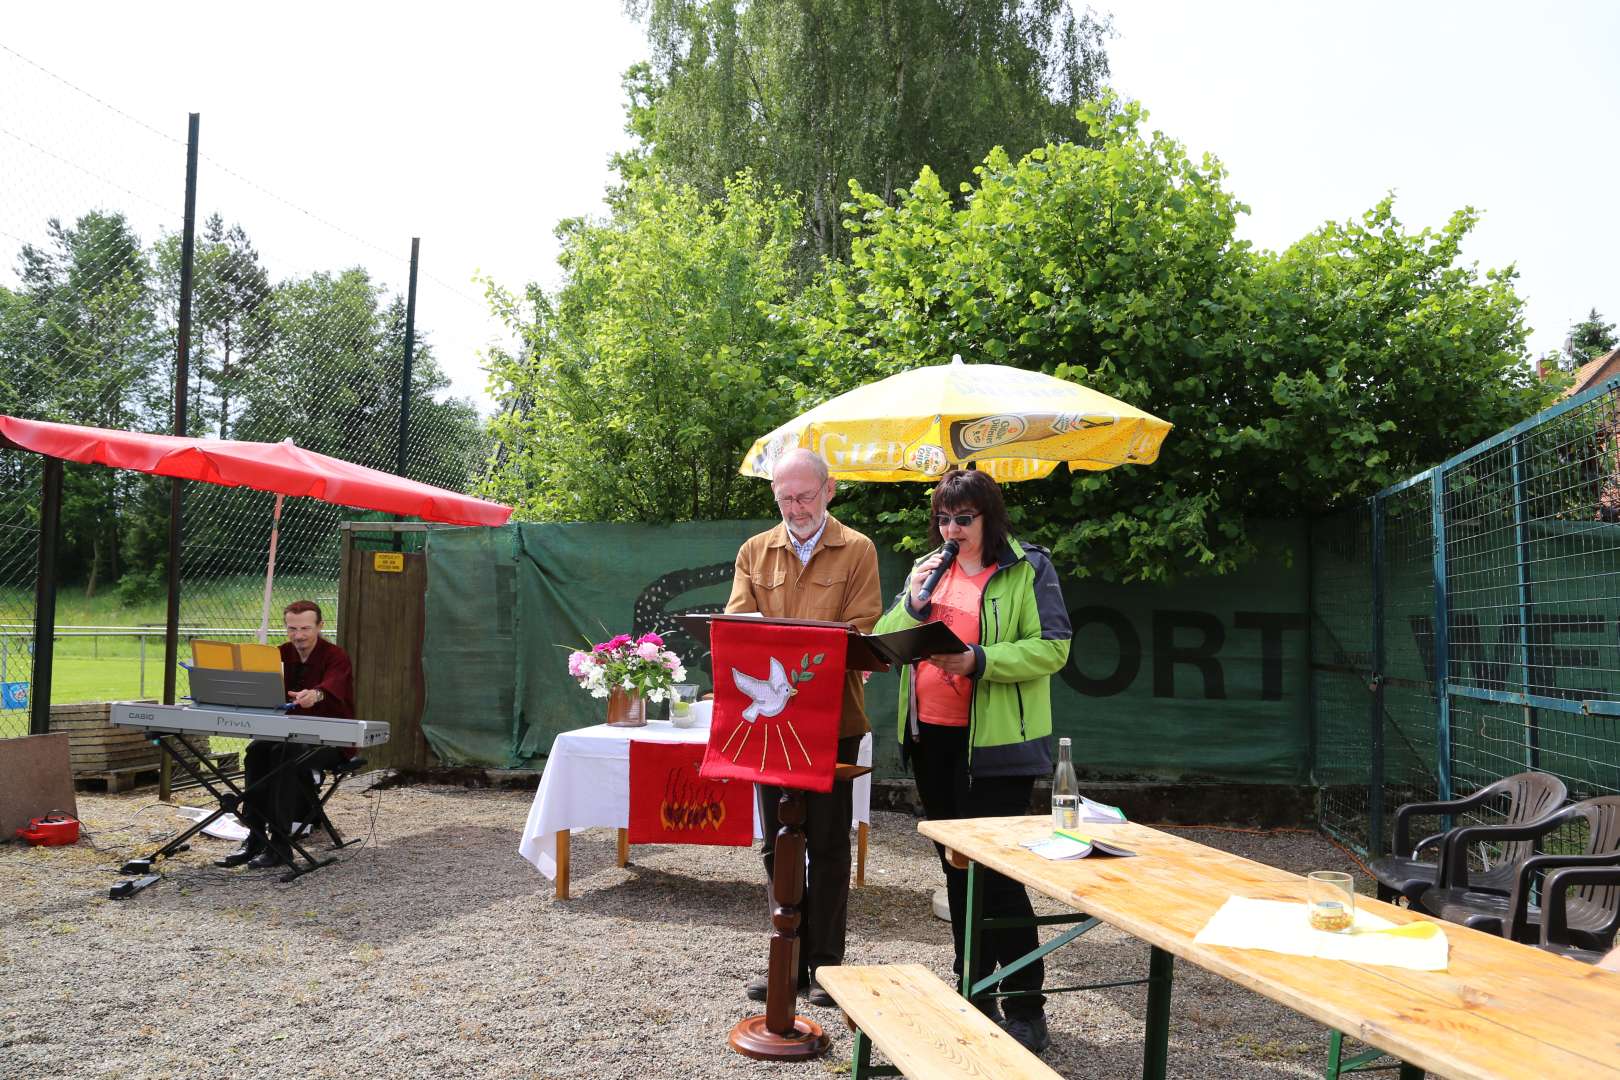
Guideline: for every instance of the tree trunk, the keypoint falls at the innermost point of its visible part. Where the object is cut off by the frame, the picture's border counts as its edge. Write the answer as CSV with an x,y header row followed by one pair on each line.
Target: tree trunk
x,y
95,562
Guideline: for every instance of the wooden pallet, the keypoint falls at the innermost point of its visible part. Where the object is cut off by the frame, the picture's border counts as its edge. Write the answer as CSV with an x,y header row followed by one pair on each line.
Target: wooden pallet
x,y
96,749
117,781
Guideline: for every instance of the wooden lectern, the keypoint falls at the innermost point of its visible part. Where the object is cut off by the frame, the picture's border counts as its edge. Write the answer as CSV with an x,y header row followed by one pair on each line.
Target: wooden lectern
x,y
781,1034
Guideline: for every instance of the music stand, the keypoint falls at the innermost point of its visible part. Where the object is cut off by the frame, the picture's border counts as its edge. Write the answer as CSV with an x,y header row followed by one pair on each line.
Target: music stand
x,y
781,1034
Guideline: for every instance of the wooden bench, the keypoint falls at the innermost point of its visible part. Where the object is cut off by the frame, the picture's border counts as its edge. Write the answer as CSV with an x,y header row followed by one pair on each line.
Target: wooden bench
x,y
927,1029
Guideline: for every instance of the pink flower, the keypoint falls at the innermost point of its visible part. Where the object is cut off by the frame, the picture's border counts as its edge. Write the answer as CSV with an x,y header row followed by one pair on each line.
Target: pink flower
x,y
578,663
616,640
654,638
647,651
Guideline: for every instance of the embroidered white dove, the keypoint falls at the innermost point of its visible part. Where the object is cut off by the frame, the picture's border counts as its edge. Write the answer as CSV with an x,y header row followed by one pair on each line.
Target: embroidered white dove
x,y
769,697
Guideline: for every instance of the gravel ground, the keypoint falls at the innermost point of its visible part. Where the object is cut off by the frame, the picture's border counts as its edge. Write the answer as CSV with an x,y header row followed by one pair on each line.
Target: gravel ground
x,y
434,950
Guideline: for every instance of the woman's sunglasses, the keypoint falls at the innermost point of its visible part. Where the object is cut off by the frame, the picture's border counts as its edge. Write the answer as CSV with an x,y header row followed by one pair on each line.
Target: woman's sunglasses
x,y
963,520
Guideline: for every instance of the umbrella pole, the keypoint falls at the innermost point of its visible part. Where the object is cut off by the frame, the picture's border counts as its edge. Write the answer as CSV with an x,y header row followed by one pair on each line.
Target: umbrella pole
x,y
270,574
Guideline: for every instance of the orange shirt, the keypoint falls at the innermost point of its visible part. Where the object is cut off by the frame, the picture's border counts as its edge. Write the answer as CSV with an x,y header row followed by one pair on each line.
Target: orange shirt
x,y
943,698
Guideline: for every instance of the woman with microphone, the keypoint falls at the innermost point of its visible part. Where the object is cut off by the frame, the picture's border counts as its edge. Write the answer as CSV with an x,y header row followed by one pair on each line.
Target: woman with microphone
x,y
977,725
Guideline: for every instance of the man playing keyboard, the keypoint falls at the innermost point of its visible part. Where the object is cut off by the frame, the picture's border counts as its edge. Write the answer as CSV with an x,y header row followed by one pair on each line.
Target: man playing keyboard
x,y
319,681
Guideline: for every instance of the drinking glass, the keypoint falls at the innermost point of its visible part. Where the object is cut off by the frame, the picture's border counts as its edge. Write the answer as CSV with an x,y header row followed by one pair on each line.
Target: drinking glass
x,y
680,704
1331,897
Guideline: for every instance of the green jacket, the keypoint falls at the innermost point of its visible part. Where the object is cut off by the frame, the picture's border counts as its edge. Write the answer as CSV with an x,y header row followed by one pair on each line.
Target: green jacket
x,y
1024,638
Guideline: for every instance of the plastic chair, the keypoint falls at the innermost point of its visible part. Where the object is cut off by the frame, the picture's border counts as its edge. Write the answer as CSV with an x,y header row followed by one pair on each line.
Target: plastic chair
x,y
1556,936
1514,916
1531,796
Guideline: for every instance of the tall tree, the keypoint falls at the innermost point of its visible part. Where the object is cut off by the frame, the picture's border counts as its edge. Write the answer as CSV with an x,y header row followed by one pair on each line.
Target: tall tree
x,y
645,377
229,330
810,94
82,329
1591,337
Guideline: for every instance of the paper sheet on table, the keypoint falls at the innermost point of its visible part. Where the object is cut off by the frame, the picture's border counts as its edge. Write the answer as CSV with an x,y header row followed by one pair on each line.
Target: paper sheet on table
x,y
1283,926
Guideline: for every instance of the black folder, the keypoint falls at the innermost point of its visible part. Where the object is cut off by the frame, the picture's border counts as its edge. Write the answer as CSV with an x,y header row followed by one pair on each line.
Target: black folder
x,y
867,652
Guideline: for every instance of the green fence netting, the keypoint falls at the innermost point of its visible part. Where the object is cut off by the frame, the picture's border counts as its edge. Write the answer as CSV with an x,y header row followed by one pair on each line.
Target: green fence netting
x,y
1207,679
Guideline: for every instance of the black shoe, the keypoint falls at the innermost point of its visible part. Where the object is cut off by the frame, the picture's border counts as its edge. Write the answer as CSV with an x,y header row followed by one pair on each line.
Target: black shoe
x,y
250,847
1030,1031
269,857
759,986
816,996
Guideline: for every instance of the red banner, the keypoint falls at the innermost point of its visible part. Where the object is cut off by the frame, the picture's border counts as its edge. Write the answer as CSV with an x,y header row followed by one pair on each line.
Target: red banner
x,y
778,697
671,804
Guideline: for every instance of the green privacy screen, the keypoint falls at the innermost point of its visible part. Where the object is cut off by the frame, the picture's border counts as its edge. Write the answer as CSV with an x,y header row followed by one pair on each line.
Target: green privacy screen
x,y
1206,679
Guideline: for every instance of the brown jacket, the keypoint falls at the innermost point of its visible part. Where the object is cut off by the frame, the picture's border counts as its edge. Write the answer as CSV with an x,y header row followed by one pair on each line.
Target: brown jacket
x,y
838,584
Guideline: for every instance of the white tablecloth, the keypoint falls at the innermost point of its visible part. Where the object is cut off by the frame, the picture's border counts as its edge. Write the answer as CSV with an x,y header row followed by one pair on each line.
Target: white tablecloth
x,y
587,785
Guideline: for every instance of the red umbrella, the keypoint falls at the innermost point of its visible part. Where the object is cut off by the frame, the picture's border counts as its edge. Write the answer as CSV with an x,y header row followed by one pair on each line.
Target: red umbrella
x,y
281,468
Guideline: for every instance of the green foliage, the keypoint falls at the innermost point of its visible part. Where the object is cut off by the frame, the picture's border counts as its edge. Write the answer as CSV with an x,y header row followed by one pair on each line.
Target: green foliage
x,y
1391,354
647,375
1591,337
809,93
1294,381
80,342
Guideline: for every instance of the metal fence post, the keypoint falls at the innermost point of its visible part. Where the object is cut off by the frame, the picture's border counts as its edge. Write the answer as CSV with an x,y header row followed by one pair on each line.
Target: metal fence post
x,y
1521,538
50,516
1375,779
188,248
1442,635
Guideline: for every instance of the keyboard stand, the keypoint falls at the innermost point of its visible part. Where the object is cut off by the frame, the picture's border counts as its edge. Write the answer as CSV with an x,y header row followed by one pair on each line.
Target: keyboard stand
x,y
230,798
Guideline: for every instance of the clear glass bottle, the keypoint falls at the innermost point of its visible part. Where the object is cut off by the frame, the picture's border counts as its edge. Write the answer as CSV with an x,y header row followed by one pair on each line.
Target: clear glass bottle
x,y
1065,791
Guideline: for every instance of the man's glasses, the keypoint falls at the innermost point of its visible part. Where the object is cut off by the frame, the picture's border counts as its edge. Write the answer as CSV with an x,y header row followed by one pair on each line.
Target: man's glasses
x,y
964,520
805,500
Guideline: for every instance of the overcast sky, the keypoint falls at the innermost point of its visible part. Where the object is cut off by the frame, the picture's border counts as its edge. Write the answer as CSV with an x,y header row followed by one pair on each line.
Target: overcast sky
x,y
335,132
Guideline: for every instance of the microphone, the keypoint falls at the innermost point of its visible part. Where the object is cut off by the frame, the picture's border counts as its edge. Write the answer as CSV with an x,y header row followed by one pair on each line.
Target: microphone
x,y
947,556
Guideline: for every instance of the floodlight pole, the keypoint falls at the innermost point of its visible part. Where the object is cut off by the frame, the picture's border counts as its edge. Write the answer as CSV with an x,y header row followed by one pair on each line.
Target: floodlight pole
x,y
188,249
403,466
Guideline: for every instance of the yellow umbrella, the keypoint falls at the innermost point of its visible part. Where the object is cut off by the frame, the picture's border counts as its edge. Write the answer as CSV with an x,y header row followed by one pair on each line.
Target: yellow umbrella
x,y
1013,424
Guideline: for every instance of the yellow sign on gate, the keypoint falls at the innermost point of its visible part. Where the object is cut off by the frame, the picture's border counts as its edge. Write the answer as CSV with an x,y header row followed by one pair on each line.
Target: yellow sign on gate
x,y
388,562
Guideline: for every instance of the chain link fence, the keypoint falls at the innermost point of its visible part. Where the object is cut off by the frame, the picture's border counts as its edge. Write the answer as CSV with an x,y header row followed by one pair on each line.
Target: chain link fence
x,y
298,331
1485,598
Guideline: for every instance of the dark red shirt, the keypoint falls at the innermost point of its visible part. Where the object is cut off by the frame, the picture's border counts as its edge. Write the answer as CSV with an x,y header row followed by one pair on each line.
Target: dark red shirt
x,y
327,669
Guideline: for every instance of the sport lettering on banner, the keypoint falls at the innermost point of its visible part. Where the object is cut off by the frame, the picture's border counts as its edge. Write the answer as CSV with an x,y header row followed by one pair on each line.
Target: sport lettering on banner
x,y
671,804
778,696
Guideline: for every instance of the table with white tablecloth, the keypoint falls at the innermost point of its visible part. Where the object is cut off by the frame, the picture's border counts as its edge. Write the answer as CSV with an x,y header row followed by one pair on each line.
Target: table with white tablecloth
x,y
586,784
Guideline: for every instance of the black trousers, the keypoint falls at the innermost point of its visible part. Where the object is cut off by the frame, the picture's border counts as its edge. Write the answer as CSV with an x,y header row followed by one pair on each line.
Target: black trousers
x,y
826,845
940,762
291,795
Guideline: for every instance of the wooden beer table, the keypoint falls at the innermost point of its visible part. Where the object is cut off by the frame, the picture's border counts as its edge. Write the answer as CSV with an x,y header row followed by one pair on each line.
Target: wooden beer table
x,y
1501,1010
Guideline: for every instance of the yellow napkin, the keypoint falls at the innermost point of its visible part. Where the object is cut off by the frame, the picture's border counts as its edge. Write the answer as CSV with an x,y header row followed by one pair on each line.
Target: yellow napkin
x,y
1284,926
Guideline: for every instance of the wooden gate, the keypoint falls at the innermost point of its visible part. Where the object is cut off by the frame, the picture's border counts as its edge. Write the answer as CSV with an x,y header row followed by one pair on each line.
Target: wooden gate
x,y
381,611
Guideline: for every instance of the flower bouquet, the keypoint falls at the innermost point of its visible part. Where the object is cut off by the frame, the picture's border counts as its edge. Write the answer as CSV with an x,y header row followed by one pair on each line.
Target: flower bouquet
x,y
629,672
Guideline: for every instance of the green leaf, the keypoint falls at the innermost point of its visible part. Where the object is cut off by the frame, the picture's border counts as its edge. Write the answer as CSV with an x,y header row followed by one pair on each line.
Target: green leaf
x,y
807,676
820,656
